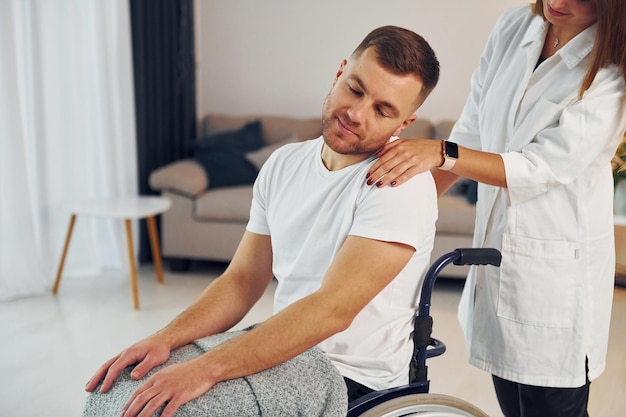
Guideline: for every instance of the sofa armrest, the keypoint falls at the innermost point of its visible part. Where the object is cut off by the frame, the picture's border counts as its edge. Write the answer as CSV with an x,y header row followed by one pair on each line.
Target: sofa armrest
x,y
185,176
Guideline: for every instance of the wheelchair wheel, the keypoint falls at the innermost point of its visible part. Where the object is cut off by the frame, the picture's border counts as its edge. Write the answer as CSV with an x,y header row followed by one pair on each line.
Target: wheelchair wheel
x,y
424,405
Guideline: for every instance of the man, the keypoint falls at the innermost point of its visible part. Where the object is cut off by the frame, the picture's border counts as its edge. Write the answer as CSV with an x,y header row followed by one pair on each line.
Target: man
x,y
348,261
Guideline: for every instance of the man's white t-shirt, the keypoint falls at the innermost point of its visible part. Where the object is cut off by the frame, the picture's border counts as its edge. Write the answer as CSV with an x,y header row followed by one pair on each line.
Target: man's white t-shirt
x,y
309,211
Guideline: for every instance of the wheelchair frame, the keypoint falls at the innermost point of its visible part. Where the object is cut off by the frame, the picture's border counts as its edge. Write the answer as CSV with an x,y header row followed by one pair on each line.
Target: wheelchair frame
x,y
414,397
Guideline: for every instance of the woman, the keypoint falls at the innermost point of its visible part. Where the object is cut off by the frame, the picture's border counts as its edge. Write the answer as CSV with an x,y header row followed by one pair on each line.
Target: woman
x,y
546,112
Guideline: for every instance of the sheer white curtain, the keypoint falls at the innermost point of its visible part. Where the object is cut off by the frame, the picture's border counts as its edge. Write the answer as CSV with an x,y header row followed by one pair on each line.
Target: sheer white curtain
x,y
67,132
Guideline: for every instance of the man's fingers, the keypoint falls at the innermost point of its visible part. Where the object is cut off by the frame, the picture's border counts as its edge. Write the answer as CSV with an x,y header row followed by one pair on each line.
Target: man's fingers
x,y
170,409
142,369
100,373
139,401
111,374
150,361
122,362
148,398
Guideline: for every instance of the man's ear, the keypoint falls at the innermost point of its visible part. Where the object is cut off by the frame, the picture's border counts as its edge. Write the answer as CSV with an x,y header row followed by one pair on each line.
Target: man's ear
x,y
340,71
404,125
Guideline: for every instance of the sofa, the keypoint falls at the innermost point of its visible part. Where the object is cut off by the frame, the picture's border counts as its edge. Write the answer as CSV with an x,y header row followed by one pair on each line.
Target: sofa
x,y
209,210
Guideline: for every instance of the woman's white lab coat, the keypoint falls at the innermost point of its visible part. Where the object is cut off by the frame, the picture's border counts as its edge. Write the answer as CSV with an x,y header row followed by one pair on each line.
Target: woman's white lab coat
x,y
535,319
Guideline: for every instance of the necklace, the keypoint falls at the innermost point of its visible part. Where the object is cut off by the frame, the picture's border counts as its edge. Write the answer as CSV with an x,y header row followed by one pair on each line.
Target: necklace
x,y
557,42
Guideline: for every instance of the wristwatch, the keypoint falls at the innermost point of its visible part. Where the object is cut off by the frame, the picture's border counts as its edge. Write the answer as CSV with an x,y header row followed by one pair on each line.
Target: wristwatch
x,y
450,152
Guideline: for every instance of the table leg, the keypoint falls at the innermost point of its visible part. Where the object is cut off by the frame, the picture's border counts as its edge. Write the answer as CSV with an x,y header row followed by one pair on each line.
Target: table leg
x,y
57,281
156,249
132,264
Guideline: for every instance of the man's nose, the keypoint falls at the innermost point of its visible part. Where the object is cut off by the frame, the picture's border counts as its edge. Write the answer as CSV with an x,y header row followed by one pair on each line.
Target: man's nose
x,y
358,111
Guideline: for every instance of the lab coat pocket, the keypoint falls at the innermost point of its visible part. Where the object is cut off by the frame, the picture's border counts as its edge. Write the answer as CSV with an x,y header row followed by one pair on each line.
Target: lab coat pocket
x,y
539,281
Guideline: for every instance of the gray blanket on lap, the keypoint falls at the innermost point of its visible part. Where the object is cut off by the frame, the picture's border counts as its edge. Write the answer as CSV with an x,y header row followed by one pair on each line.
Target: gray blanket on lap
x,y
307,385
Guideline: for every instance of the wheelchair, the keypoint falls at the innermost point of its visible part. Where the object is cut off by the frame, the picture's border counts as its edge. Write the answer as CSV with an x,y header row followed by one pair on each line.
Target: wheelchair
x,y
414,399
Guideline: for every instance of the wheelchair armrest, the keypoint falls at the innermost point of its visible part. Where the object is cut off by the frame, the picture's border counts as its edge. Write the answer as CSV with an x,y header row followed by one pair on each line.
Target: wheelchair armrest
x,y
436,348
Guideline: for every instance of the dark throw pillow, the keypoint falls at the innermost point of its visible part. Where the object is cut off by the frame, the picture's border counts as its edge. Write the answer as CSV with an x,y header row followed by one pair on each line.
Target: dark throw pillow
x,y
246,139
226,168
223,155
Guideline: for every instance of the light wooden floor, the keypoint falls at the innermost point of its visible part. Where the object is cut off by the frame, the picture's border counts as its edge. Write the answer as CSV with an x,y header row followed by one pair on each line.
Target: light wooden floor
x,y
50,346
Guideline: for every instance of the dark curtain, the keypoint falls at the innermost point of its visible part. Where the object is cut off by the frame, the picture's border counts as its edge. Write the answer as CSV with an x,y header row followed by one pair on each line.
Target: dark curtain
x,y
163,66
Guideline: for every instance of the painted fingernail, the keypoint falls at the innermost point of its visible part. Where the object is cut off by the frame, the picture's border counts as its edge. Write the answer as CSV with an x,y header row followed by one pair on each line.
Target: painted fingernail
x,y
379,184
368,175
393,183
370,181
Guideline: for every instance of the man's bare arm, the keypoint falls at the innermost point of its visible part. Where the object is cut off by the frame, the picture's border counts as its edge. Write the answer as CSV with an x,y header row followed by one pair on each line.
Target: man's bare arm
x,y
230,297
362,268
222,305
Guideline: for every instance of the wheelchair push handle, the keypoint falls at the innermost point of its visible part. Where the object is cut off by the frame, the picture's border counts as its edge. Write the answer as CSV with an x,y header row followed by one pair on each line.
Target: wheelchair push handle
x,y
425,346
460,256
478,256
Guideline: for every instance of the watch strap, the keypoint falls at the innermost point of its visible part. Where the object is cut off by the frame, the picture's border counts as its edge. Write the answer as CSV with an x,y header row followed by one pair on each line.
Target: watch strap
x,y
450,153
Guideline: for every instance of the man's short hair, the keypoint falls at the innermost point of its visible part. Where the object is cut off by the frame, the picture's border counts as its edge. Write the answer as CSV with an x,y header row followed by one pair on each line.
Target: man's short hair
x,y
403,52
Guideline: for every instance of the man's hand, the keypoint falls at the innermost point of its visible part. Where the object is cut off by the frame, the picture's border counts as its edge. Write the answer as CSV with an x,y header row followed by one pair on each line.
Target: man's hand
x,y
402,159
174,386
226,301
146,354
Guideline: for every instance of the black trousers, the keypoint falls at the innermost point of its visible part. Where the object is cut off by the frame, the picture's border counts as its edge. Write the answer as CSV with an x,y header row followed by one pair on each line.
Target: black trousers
x,y
519,400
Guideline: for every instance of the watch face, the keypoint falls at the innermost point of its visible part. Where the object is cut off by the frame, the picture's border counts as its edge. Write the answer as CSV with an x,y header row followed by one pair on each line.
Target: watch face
x,y
452,150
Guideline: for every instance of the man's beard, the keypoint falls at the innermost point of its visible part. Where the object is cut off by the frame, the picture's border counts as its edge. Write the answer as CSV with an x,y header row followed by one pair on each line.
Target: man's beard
x,y
335,140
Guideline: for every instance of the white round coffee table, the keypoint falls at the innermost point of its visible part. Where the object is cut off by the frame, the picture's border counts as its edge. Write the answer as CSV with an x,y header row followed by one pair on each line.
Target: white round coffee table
x,y
127,208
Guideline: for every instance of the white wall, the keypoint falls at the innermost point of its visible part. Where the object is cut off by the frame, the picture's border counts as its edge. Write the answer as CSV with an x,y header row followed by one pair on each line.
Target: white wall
x,y
280,57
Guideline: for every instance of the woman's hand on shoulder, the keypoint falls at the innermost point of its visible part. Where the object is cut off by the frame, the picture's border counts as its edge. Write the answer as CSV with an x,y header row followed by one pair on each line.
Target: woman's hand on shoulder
x,y
402,159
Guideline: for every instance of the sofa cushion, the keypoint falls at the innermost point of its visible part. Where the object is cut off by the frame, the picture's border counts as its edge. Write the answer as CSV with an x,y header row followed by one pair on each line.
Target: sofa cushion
x,y
258,158
229,204
456,215
275,128
185,177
